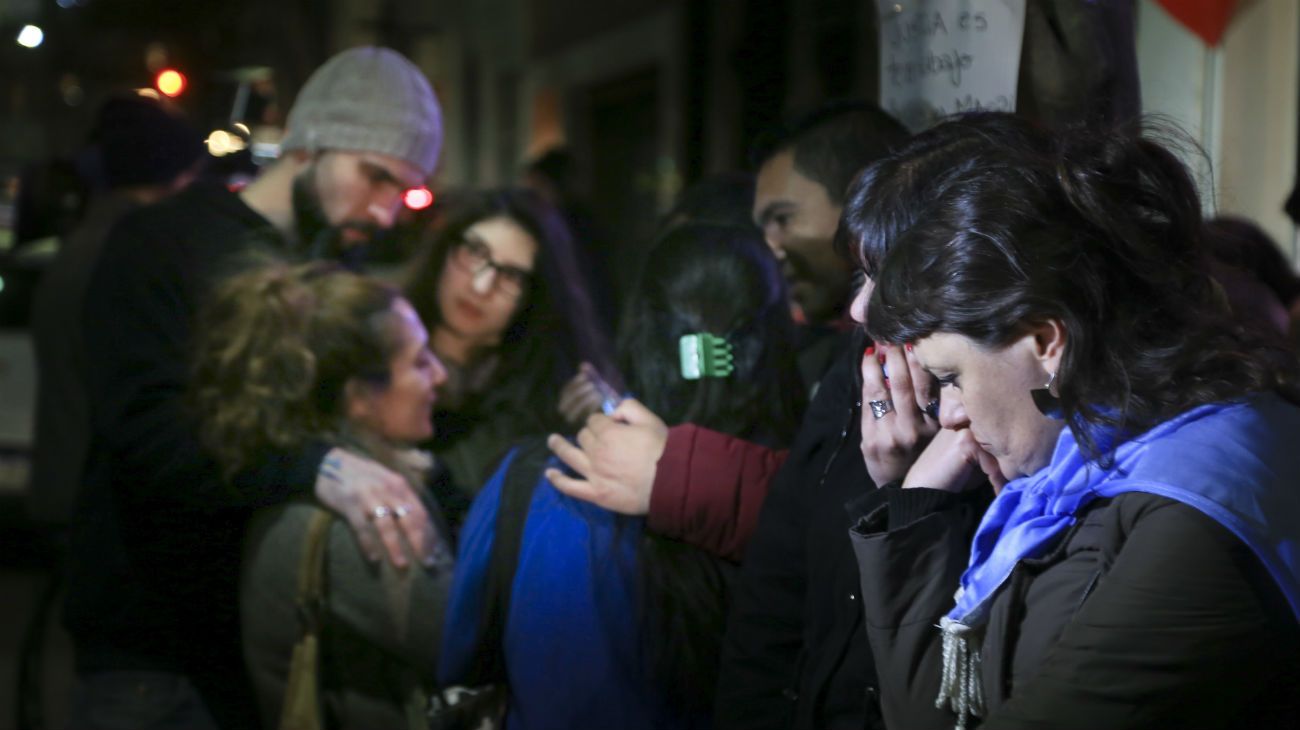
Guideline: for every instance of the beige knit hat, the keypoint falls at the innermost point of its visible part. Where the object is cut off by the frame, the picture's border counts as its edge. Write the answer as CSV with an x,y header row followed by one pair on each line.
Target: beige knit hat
x,y
368,99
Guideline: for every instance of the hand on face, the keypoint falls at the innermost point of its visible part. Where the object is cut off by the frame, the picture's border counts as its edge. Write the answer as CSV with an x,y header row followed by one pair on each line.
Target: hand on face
x,y
892,441
987,392
616,459
953,462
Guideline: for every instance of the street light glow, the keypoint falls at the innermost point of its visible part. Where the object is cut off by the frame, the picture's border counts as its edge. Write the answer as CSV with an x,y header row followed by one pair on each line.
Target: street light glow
x,y
222,143
30,36
171,82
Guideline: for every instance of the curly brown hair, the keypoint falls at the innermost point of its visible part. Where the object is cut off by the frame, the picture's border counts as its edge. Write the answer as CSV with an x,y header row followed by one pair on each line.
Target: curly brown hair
x,y
274,350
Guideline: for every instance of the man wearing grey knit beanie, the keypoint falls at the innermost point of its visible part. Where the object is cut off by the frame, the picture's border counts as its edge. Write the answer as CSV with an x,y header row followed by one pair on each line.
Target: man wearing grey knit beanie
x,y
155,548
365,128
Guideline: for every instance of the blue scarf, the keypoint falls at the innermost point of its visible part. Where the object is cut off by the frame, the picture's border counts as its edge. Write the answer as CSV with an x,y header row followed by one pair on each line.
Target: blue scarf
x,y
1237,463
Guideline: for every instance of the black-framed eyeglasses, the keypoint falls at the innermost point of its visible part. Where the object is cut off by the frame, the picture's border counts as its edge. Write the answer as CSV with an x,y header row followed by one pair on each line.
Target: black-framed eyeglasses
x,y
475,257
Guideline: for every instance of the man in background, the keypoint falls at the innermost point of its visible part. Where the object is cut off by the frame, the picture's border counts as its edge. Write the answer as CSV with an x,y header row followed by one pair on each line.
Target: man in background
x,y
795,652
803,173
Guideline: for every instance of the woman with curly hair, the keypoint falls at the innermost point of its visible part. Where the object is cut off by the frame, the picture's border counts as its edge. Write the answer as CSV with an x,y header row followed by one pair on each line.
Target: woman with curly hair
x,y
289,355
509,315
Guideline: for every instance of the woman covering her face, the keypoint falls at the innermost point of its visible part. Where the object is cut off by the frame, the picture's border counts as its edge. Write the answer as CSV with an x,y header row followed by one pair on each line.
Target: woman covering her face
x,y
508,314
286,356
1140,563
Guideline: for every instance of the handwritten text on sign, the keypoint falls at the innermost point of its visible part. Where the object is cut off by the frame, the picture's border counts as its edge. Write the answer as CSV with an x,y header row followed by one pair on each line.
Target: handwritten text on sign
x,y
939,57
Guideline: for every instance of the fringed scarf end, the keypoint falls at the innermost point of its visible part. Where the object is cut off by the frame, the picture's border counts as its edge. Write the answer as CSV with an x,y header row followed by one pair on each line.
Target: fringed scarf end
x,y
960,689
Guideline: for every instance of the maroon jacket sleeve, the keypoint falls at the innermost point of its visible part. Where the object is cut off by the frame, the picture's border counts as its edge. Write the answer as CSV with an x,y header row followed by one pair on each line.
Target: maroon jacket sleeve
x,y
709,488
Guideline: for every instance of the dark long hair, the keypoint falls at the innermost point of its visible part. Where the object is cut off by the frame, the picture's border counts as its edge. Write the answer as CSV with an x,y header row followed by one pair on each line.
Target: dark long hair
x,y
555,328
722,280
987,224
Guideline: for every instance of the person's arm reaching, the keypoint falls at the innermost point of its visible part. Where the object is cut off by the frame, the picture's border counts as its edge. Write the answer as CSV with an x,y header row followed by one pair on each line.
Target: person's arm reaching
x,y
696,485
709,489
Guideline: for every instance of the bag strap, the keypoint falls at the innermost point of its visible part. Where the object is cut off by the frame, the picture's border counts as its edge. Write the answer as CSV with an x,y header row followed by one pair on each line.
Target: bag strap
x,y
302,709
517,488
311,567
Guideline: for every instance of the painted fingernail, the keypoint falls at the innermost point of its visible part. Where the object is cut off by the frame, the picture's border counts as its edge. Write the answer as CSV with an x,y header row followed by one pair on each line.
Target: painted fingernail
x,y
908,346
870,351
880,358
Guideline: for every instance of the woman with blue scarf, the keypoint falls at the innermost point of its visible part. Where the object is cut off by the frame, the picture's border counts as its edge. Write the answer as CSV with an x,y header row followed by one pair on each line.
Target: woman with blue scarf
x,y
1139,565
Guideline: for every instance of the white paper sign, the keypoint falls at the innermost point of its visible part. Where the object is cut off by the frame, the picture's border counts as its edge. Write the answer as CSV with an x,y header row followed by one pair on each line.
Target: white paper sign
x,y
940,57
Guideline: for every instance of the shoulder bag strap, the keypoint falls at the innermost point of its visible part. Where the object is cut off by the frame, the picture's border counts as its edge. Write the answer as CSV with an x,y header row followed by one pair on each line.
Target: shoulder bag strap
x,y
302,707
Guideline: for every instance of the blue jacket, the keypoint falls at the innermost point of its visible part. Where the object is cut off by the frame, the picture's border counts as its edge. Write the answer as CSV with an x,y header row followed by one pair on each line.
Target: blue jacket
x,y
574,647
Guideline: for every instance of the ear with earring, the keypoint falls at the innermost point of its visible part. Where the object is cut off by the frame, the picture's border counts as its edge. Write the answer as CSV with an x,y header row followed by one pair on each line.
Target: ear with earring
x,y
1048,398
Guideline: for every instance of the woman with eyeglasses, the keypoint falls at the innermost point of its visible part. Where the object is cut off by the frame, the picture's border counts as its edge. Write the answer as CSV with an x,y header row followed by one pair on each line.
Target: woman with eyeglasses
x,y
508,314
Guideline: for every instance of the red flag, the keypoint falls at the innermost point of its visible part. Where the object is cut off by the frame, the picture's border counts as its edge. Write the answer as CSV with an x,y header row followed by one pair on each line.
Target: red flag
x,y
1206,18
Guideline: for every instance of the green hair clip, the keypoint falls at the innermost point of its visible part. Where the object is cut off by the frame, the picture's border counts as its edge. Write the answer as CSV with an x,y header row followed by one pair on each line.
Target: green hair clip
x,y
705,356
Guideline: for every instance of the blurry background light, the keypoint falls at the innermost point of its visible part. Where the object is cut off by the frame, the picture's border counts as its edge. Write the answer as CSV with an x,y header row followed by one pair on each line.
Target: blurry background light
x,y
418,198
222,143
171,82
30,36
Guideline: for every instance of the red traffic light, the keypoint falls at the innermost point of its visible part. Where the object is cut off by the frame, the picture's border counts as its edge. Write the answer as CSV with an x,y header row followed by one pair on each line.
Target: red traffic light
x,y
170,82
418,198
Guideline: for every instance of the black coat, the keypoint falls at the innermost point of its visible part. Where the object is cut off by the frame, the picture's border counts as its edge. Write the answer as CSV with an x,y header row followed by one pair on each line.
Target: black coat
x,y
795,653
1146,614
155,542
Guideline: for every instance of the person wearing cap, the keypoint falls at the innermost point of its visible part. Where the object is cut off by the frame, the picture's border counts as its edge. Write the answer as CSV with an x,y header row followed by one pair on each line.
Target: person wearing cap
x,y
155,544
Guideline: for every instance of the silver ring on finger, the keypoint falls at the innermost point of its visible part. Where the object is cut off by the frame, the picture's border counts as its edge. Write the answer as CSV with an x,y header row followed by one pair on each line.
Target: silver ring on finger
x,y
881,408
401,511
932,409
379,513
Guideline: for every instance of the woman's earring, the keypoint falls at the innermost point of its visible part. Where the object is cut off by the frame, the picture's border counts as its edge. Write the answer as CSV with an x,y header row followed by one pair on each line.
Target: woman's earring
x,y
1047,398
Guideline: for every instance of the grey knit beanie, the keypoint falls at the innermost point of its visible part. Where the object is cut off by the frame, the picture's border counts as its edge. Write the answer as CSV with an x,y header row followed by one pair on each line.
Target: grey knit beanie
x,y
368,99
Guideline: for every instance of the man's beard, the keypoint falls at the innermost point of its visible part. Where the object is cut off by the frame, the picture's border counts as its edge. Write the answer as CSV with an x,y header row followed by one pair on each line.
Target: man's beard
x,y
317,239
